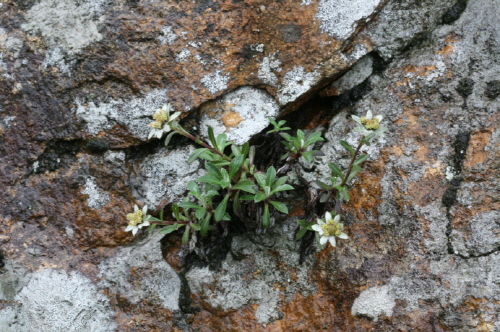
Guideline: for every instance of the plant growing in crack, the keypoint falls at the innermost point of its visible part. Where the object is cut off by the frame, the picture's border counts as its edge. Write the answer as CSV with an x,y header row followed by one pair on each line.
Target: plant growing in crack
x,y
233,188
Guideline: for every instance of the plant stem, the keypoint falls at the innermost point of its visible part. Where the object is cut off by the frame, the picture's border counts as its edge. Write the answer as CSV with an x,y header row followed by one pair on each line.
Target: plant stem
x,y
351,164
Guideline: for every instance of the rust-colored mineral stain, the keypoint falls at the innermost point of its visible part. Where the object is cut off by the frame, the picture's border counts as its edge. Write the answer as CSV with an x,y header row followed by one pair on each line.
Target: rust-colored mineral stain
x,y
476,152
231,119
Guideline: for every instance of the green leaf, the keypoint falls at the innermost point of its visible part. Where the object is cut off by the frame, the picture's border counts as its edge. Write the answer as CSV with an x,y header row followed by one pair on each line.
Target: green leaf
x,y
236,150
171,228
175,209
151,218
185,237
196,227
237,204
280,207
196,154
247,197
270,176
213,169
351,176
235,165
189,205
220,163
301,233
361,159
336,170
245,185
308,156
222,142
169,137
301,135
266,218
245,148
205,224
260,196
194,189
208,179
347,146
286,136
200,213
221,209
261,179
151,228
282,180
282,188
211,136
323,185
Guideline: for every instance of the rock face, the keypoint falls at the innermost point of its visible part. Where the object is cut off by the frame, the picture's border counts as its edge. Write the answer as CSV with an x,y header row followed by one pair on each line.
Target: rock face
x,y
80,80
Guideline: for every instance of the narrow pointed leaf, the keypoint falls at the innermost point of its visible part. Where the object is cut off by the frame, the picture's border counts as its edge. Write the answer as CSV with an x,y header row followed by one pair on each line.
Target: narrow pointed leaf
x,y
221,209
280,207
266,218
245,185
361,159
260,196
347,146
196,154
336,170
235,165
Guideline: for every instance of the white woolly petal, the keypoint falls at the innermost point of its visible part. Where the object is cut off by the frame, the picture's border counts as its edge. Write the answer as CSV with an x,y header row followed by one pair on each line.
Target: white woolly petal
x,y
151,133
145,209
320,221
323,240
332,240
379,117
356,118
159,133
369,115
343,236
337,218
317,228
134,231
328,216
174,116
146,223
129,228
136,208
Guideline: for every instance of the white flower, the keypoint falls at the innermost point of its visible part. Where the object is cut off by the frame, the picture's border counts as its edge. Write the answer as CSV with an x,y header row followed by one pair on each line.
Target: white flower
x,y
369,124
137,219
163,123
330,228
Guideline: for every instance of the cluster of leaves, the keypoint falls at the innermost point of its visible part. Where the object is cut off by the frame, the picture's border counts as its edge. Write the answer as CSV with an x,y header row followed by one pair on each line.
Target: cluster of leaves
x,y
233,187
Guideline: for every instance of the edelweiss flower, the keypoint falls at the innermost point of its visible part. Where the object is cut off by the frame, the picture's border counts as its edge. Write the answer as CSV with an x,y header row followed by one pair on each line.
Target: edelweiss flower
x,y
330,228
369,124
137,219
163,121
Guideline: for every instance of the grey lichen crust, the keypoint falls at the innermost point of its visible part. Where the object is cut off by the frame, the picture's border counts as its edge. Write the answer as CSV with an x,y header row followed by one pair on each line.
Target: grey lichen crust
x,y
252,280
158,283
57,301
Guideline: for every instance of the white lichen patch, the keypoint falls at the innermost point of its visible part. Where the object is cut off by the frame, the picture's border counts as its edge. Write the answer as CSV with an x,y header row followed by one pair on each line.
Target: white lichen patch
x,y
134,114
450,173
167,36
71,25
295,83
339,18
480,237
57,58
58,301
183,55
267,69
97,197
374,302
164,176
215,81
242,113
158,282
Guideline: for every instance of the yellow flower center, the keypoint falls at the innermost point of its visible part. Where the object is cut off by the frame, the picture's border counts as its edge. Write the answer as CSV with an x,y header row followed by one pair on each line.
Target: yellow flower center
x,y
135,218
332,228
156,125
370,124
160,116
